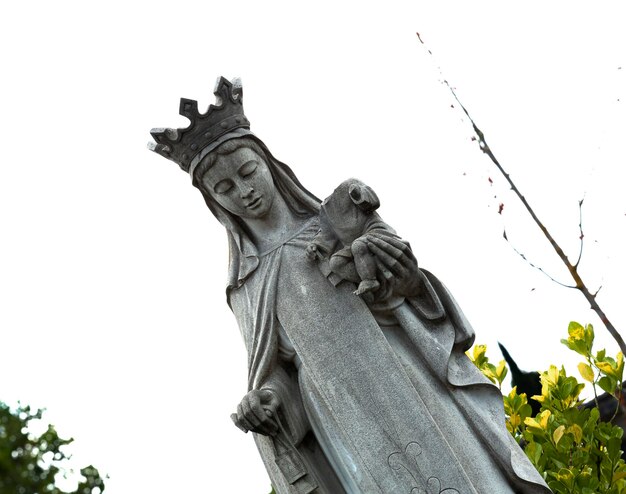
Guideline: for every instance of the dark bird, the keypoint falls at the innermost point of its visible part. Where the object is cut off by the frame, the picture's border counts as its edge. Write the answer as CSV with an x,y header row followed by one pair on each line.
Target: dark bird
x,y
526,382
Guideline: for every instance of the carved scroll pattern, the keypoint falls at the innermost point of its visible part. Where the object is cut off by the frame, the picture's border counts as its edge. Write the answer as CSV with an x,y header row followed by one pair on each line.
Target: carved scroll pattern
x,y
406,463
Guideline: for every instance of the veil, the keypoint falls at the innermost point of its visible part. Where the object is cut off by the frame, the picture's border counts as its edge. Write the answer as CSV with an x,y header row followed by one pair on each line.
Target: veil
x,y
243,254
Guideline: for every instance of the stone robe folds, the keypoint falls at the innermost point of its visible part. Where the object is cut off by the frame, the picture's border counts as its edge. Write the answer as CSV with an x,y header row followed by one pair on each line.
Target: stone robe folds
x,y
391,400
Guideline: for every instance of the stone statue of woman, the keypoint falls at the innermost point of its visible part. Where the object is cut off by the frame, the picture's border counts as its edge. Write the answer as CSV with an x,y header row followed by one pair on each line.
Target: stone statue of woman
x,y
345,393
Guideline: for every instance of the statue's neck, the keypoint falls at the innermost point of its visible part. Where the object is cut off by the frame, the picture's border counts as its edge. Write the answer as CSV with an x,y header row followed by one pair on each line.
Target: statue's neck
x,y
278,225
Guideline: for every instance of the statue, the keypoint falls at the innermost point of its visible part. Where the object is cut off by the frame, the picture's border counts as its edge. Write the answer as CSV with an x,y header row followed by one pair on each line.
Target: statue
x,y
366,393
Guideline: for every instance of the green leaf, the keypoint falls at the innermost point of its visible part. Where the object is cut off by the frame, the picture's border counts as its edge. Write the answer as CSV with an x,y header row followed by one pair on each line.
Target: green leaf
x,y
619,475
608,368
479,357
551,376
558,434
589,336
525,411
586,371
613,447
608,384
501,371
566,477
533,451
620,366
580,339
576,431
576,329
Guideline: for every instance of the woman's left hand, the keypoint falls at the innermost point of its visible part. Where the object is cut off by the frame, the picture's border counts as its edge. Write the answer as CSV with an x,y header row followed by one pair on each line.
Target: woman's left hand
x,y
256,412
397,259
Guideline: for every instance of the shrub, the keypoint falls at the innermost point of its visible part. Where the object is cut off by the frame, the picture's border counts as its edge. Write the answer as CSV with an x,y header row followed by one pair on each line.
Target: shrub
x,y
569,445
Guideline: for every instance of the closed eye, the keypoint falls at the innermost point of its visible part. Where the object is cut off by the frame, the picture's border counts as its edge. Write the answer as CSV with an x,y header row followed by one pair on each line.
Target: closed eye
x,y
223,187
248,168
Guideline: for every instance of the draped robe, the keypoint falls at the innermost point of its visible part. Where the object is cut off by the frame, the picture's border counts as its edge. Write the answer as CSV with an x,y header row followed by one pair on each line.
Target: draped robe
x,y
370,402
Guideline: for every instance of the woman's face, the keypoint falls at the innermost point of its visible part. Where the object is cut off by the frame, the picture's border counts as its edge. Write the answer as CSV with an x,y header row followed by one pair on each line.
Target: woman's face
x,y
241,183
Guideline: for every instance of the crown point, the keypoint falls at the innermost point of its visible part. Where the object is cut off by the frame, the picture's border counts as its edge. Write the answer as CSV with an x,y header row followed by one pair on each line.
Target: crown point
x,y
171,134
188,108
224,125
220,82
238,119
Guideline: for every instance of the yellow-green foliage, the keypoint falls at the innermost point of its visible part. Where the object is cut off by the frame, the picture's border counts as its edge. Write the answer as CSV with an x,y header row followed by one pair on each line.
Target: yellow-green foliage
x,y
569,445
495,374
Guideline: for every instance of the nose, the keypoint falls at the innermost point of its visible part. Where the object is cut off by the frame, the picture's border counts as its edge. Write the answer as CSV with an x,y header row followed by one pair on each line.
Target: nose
x,y
246,190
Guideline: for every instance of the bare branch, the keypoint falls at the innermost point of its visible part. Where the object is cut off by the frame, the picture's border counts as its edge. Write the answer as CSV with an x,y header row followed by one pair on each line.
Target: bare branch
x,y
579,283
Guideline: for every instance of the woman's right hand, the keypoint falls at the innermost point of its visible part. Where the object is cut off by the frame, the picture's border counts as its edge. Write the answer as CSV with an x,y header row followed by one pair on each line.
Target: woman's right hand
x,y
397,262
256,412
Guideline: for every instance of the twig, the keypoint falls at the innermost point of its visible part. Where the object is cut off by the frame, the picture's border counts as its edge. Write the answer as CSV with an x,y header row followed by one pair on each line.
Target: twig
x,y
593,384
582,235
619,402
538,268
579,283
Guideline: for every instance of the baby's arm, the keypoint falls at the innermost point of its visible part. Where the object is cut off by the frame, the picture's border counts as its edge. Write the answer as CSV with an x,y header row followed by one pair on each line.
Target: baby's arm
x,y
313,252
323,244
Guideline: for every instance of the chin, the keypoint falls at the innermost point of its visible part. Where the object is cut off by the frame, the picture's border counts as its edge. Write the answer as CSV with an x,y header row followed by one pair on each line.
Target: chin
x,y
261,211
258,215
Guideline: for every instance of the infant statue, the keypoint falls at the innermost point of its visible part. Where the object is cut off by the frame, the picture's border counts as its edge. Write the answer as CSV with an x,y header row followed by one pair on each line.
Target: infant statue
x,y
346,217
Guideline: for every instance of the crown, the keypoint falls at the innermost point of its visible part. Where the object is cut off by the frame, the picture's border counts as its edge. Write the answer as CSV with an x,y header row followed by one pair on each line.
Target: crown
x,y
183,145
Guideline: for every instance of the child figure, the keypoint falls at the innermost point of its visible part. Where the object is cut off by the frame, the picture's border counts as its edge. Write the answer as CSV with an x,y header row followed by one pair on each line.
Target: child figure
x,y
346,216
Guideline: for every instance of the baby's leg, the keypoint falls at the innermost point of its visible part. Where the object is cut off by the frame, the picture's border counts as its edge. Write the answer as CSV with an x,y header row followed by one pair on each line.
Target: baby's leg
x,y
342,263
365,267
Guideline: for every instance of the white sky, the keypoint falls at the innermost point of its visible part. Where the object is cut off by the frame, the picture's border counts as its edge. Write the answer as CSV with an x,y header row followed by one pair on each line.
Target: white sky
x,y
113,313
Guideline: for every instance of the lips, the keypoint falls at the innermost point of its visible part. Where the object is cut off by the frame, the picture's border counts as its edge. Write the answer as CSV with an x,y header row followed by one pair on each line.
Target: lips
x,y
254,203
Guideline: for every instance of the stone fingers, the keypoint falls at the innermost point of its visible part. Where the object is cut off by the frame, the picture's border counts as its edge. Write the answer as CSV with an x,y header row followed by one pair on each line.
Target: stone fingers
x,y
398,243
235,419
242,420
388,254
256,411
388,275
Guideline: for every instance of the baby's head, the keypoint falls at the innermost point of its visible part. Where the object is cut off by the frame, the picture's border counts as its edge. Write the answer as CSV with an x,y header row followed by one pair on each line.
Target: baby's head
x,y
351,193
